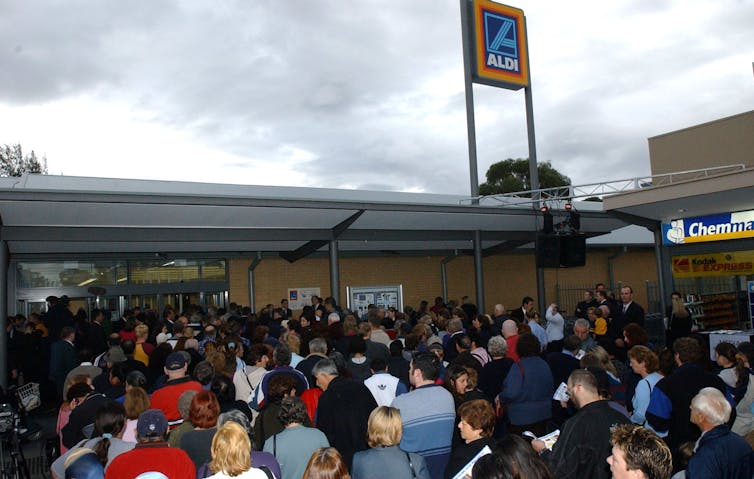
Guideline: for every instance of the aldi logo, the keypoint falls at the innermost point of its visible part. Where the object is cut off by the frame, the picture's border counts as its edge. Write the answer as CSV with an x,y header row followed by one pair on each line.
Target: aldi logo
x,y
500,45
500,40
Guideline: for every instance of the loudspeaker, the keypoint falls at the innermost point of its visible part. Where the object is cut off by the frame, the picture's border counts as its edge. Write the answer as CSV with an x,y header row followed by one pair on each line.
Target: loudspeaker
x,y
572,250
548,251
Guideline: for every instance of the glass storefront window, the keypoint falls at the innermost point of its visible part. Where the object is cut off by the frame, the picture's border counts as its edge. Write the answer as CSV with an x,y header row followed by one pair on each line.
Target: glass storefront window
x,y
69,273
104,273
213,270
164,271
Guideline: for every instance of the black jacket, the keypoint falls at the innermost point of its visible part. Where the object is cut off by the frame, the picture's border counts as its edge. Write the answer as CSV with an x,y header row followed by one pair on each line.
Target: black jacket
x,y
81,416
584,443
343,413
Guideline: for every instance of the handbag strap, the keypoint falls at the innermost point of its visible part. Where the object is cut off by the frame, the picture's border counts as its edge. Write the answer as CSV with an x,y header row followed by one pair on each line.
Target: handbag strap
x,y
411,466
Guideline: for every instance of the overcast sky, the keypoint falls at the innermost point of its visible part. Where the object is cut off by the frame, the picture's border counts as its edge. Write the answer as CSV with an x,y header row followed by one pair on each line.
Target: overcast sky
x,y
360,94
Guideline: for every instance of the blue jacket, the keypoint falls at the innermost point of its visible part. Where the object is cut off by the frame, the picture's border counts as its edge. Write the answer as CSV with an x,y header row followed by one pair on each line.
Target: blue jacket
x,y
528,390
389,462
721,454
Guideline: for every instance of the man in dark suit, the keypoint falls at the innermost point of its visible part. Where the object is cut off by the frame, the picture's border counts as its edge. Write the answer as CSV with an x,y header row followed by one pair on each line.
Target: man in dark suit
x,y
63,358
602,299
519,315
285,311
583,306
97,343
629,311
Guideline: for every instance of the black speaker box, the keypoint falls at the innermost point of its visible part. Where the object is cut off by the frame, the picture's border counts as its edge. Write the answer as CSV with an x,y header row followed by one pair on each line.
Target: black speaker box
x,y
548,251
572,251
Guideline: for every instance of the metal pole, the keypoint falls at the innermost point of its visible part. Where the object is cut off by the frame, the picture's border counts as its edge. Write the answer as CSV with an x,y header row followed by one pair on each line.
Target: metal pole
x,y
334,272
444,273
478,272
252,267
659,258
470,126
3,314
534,173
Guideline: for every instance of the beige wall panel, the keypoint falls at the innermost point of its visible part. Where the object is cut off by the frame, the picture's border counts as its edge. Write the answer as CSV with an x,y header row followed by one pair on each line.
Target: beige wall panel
x,y
718,143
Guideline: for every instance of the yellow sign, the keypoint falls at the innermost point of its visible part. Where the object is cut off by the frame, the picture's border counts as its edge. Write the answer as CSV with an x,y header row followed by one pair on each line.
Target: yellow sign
x,y
501,52
713,264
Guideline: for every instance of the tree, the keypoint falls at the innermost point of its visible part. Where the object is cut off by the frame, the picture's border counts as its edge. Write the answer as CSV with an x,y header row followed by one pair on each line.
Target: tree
x,y
513,175
13,162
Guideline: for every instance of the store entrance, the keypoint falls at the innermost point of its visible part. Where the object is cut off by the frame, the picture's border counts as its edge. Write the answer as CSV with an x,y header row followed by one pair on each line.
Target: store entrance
x,y
116,305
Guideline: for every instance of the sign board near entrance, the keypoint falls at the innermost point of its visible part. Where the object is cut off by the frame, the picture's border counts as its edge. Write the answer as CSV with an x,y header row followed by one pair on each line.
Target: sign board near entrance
x,y
713,264
300,297
709,228
360,297
500,49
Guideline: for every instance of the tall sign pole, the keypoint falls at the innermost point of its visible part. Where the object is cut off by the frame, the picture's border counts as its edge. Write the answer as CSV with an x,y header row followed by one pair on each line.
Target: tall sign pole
x,y
496,53
466,33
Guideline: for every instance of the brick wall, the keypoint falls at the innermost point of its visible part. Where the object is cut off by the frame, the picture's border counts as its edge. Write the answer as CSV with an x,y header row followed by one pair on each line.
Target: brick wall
x,y
507,277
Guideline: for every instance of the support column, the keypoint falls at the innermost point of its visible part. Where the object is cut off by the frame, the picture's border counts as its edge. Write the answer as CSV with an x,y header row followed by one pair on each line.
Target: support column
x,y
444,273
478,271
252,267
334,272
3,313
663,279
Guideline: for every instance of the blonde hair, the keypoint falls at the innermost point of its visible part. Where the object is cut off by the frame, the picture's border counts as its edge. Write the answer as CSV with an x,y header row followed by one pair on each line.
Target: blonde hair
x,y
679,308
231,450
141,330
384,427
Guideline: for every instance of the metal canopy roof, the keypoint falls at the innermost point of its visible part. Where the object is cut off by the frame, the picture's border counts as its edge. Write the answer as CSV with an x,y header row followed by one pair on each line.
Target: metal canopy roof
x,y
48,216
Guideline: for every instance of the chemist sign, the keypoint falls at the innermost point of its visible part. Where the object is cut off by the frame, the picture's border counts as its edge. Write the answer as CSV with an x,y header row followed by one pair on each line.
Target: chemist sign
x,y
500,45
709,228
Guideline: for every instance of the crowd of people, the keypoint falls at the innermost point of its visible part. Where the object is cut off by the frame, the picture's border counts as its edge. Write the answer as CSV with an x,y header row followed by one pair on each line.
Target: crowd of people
x,y
427,393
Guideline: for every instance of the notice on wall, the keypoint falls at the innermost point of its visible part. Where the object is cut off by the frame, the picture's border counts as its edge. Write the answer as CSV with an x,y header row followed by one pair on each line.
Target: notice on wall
x,y
360,297
300,297
713,264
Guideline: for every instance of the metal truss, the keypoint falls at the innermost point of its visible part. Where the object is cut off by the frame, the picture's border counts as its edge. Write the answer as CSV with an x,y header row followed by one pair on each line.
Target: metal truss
x,y
565,194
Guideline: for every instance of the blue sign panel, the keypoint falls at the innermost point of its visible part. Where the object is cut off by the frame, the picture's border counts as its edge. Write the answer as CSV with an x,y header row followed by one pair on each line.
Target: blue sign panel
x,y
709,228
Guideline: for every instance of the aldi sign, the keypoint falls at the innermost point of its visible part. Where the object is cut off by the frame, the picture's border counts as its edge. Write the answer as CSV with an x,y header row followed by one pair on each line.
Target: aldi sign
x,y
709,228
500,45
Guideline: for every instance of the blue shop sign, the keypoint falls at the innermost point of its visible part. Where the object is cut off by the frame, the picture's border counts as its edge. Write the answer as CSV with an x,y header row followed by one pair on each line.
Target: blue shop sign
x,y
724,226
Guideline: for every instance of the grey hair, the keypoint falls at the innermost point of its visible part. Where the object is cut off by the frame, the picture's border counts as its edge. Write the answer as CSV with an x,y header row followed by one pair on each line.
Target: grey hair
x,y
184,403
711,402
497,346
236,416
510,327
455,325
318,345
325,366
581,322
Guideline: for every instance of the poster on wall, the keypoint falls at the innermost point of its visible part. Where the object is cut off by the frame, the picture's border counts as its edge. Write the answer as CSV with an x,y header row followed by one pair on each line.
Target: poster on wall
x,y
300,297
360,297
